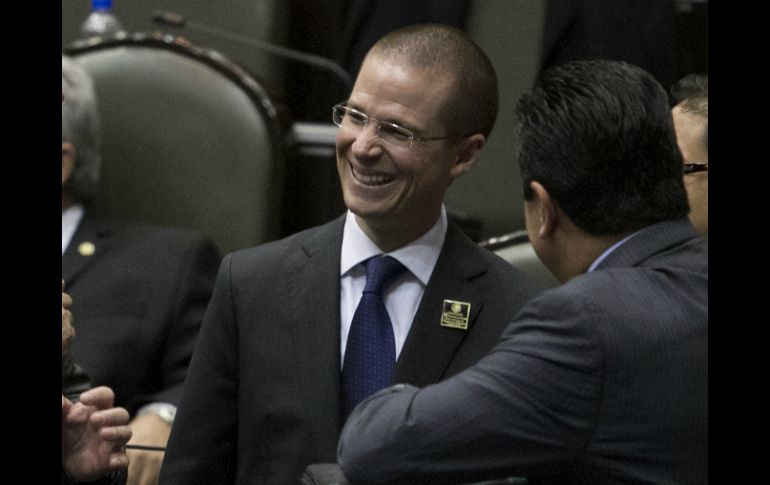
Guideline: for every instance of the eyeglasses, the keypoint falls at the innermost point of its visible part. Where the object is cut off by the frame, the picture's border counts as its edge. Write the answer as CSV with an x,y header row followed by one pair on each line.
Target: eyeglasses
x,y
695,167
354,121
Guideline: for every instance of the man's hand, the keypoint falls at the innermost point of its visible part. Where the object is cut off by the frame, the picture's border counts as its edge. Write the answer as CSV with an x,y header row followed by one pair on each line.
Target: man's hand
x,y
94,434
151,430
67,330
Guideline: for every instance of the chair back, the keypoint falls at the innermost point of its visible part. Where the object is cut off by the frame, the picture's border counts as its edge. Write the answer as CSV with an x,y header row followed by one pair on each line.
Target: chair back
x,y
515,248
188,138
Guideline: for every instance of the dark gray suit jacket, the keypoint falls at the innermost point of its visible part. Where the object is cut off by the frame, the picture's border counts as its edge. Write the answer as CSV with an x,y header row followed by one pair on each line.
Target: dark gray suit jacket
x,y
603,380
137,304
262,397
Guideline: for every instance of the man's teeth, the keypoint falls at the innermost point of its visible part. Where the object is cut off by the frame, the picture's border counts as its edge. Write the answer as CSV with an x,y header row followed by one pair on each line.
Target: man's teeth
x,y
372,179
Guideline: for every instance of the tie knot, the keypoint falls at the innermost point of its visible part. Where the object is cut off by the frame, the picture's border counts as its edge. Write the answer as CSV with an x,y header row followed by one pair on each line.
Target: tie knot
x,y
380,271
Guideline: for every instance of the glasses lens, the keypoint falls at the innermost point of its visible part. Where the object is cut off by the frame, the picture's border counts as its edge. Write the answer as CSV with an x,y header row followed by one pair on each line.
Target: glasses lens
x,y
338,112
395,135
345,117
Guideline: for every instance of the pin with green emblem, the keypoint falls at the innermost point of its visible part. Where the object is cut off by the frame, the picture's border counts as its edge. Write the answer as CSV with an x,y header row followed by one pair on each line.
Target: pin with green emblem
x,y
86,249
456,314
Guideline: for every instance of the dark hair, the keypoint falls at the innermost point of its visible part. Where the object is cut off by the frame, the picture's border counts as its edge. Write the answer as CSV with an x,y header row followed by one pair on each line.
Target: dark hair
x,y
473,107
691,93
599,136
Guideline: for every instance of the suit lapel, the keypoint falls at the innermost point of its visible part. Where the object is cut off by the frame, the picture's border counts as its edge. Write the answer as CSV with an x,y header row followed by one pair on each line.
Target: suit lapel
x,y
315,309
429,347
89,243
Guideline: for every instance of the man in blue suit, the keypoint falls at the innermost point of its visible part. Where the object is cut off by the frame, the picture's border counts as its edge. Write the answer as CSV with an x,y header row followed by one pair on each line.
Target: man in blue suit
x,y
603,380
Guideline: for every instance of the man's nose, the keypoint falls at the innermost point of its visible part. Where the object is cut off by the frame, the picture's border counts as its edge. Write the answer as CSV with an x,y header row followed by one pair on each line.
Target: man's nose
x,y
367,142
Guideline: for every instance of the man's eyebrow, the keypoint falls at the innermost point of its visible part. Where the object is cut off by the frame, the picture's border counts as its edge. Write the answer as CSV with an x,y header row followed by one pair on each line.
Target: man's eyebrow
x,y
401,123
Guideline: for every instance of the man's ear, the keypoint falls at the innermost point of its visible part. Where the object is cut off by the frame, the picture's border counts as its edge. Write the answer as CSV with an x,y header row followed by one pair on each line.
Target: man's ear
x,y
547,210
467,155
67,161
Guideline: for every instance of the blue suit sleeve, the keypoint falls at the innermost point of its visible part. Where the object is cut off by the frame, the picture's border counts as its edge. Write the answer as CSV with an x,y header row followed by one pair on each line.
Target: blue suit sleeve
x,y
532,399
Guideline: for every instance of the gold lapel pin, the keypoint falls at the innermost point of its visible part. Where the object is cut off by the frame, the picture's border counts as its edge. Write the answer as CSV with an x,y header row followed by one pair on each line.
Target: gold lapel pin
x,y
86,248
456,314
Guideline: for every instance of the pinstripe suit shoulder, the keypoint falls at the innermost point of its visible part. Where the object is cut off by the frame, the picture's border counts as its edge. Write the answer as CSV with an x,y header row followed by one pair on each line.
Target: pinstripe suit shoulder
x,y
601,380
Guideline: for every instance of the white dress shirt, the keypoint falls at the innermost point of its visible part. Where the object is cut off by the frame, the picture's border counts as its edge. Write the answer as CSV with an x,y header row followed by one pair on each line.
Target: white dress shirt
x,y
403,296
70,218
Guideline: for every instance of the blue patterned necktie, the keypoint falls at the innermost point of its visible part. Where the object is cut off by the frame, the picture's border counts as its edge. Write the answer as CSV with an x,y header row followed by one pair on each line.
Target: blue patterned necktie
x,y
370,354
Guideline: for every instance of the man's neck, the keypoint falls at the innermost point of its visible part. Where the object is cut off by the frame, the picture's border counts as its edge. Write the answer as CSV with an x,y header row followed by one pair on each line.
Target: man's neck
x,y
389,235
578,250
66,202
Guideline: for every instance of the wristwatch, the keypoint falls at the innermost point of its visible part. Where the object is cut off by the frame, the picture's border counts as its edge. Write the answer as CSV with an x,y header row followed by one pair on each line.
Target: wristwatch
x,y
165,411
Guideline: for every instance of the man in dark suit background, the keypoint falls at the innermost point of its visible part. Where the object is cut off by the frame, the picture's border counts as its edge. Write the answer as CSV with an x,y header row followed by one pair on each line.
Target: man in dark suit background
x,y
690,96
139,292
264,395
603,380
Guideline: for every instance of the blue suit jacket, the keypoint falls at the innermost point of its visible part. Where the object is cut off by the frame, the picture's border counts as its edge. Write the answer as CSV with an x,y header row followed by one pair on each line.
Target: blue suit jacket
x,y
262,397
601,380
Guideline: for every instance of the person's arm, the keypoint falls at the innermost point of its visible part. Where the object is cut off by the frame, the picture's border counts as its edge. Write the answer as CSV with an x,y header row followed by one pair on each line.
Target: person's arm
x,y
149,429
152,423
67,330
94,434
531,400
202,445
197,271
74,380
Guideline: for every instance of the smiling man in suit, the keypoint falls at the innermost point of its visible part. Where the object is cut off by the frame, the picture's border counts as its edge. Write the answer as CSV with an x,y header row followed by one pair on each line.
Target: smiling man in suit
x,y
297,331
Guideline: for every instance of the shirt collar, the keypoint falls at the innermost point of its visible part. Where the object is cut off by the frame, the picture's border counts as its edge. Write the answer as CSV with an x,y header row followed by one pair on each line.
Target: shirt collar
x,y
419,256
609,250
70,218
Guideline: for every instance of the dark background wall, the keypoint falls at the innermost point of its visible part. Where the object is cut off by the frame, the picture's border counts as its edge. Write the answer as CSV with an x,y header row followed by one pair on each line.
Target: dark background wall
x,y
517,35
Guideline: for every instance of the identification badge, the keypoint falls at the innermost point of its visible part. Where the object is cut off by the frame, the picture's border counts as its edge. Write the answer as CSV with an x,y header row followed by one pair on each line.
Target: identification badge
x,y
456,314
